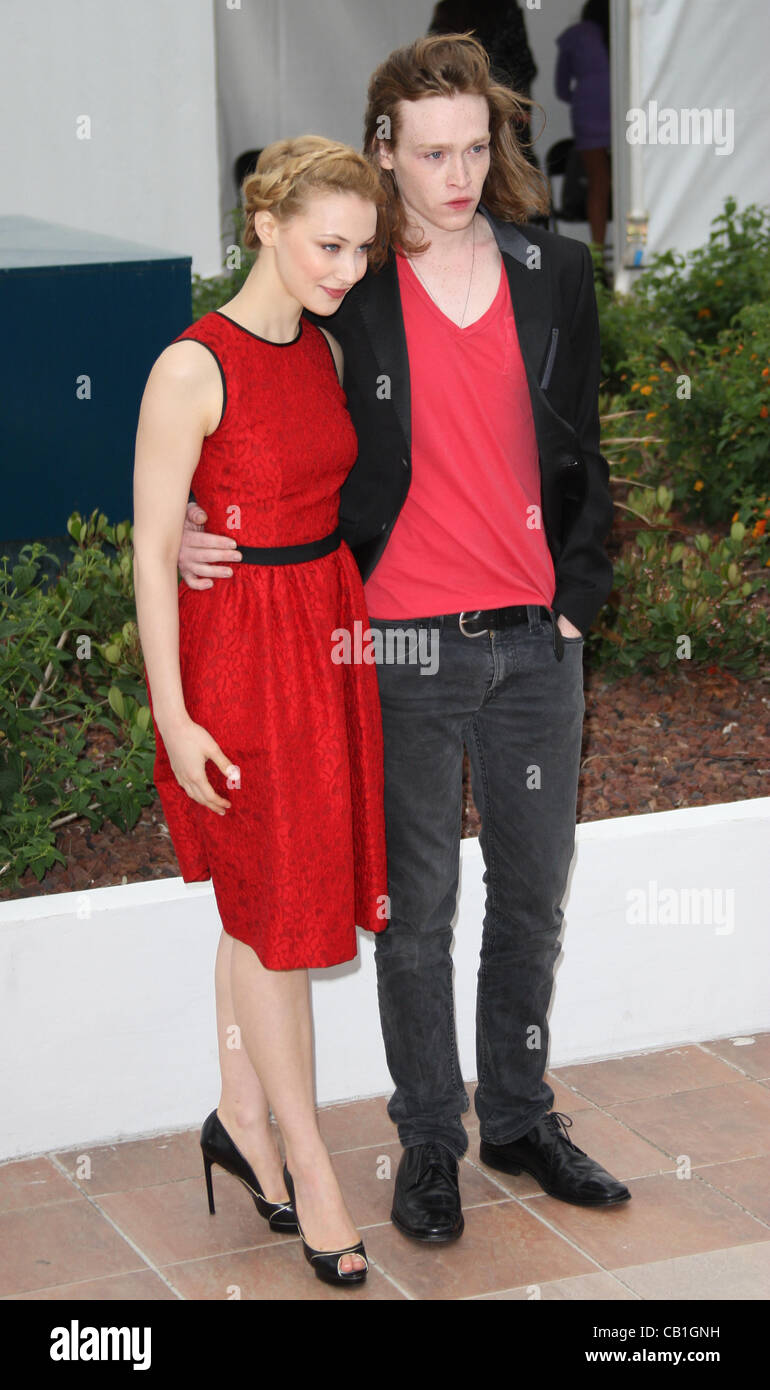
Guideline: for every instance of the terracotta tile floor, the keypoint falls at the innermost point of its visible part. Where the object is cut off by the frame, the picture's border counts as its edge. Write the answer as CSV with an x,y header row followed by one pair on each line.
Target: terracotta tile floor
x,y
687,1128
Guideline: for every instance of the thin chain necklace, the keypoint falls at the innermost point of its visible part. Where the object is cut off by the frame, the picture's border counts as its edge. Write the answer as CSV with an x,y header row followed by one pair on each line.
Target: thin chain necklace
x,y
470,281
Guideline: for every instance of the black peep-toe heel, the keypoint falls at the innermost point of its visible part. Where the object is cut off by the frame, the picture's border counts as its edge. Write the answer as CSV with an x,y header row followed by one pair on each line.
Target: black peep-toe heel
x,y
326,1263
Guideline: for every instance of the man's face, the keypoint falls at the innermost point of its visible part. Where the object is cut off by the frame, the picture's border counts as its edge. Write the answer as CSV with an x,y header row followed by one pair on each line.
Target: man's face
x,y
440,159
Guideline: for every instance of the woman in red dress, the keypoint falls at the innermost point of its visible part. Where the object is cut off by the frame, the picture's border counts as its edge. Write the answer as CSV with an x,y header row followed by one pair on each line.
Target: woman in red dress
x,y
269,752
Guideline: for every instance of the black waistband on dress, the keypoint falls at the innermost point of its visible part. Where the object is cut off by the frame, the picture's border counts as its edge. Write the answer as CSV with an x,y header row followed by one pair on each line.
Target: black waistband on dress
x,y
291,554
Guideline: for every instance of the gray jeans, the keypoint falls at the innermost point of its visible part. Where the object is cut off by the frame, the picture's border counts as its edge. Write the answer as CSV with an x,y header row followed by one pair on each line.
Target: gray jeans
x,y
519,711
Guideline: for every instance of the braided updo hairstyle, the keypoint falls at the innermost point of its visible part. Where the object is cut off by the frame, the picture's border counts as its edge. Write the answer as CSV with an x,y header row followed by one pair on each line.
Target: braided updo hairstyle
x,y
289,170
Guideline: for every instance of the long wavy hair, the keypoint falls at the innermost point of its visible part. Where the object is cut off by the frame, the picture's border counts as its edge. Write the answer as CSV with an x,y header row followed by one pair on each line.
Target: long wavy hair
x,y
444,65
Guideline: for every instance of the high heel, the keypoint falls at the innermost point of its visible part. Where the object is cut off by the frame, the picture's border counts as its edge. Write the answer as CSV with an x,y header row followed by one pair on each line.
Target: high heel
x,y
326,1263
218,1147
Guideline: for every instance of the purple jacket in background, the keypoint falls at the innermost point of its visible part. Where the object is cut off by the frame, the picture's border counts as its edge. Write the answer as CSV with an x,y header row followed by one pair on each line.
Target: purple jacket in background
x,y
583,79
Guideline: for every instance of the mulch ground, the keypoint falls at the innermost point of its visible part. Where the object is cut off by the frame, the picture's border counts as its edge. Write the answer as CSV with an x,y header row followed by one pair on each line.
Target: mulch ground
x,y
692,737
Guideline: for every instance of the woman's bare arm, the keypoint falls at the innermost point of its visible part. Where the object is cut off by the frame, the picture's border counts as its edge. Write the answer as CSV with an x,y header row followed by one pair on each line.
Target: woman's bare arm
x,y
181,404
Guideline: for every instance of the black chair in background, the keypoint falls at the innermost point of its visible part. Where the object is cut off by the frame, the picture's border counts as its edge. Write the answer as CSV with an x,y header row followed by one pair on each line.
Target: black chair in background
x,y
245,164
563,160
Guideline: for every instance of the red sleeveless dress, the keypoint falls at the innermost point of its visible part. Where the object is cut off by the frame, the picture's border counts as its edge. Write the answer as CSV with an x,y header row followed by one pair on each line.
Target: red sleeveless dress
x,y
299,858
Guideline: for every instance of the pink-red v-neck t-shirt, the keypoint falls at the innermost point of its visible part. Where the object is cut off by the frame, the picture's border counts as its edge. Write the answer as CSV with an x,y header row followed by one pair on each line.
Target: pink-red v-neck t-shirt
x,y
470,533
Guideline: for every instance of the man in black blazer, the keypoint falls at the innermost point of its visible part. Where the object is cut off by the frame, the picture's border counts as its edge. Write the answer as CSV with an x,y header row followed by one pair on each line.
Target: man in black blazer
x,y
552,291
509,679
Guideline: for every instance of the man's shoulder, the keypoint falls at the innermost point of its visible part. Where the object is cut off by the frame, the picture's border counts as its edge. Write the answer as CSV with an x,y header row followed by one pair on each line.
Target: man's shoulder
x,y
560,249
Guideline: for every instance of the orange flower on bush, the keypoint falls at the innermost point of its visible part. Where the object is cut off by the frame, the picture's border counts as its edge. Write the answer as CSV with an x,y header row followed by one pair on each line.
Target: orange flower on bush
x,y
766,371
759,528
645,390
763,412
650,414
704,313
699,485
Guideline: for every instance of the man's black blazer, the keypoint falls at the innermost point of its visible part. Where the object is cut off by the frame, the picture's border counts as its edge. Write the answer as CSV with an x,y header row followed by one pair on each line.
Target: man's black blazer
x,y
554,305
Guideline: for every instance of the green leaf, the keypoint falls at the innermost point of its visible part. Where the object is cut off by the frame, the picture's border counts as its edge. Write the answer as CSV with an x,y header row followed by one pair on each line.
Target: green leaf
x,y
116,702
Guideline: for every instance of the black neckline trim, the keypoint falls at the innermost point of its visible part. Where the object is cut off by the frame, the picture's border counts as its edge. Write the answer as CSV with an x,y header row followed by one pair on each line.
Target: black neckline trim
x,y
271,341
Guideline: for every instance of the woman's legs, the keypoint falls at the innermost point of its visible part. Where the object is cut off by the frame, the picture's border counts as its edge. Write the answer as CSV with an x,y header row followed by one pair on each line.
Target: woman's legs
x,y
597,166
243,1106
272,1011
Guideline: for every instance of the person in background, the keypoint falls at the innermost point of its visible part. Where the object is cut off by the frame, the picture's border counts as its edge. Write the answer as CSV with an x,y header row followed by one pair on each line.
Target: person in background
x,y
583,79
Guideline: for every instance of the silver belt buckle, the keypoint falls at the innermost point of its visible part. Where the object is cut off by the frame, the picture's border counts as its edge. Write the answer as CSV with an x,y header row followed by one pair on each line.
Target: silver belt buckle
x,y
471,615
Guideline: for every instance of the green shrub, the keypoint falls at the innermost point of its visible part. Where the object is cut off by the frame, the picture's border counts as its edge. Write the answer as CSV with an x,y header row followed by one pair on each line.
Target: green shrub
x,y
696,600
70,661
688,353
700,293
711,418
680,303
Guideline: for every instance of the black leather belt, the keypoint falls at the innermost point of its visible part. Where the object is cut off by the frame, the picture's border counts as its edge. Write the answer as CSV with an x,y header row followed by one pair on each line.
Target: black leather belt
x,y
475,624
291,554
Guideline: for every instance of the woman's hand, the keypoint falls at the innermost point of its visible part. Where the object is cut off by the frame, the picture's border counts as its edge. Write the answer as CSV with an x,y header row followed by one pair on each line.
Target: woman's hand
x,y
189,746
201,554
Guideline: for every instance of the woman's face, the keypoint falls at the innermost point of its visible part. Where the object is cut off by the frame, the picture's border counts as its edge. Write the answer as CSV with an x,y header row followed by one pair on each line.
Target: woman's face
x,y
320,253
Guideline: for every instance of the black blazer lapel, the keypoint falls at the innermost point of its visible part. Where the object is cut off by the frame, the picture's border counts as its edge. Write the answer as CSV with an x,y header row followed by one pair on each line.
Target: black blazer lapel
x,y
531,298
381,312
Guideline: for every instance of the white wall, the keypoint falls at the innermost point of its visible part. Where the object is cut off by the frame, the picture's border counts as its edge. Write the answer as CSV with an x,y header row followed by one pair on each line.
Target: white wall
x,y
144,72
107,1025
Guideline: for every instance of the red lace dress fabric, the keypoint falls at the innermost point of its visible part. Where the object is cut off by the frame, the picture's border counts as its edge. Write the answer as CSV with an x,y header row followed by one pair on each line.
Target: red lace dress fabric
x,y
299,858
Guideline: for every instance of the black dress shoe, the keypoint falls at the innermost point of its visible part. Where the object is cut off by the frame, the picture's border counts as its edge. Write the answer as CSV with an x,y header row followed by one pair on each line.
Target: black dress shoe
x,y
426,1202
563,1170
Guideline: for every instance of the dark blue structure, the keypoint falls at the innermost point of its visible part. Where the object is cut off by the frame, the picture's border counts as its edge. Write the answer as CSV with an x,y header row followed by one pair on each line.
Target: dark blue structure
x,y
82,319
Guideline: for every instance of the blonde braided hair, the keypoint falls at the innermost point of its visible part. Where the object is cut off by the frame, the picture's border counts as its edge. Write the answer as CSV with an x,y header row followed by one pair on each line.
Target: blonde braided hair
x,y
289,170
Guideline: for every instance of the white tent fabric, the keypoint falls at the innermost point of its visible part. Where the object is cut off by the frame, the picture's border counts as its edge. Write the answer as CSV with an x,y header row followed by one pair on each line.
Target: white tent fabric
x,y
711,57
